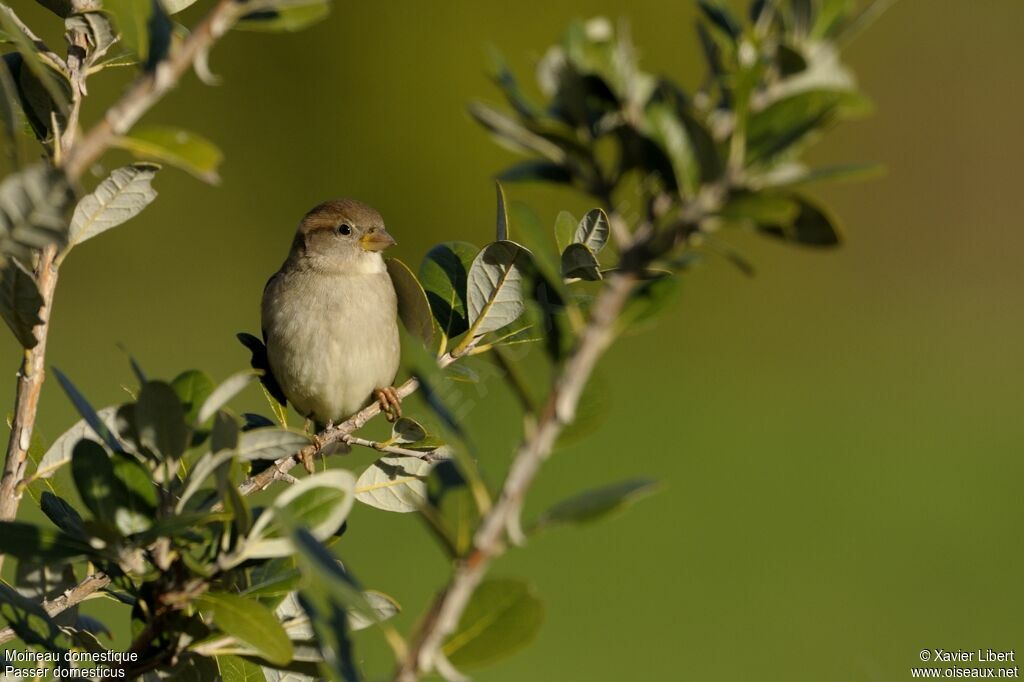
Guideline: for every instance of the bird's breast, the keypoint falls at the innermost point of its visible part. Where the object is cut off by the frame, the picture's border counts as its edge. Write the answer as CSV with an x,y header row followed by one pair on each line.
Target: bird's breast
x,y
331,339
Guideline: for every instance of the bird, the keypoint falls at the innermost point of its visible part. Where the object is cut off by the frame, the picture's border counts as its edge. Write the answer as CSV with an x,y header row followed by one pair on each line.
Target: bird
x,y
329,317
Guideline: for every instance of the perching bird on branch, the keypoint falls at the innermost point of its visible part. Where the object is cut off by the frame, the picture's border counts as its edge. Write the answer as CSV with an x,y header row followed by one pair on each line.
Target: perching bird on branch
x,y
330,321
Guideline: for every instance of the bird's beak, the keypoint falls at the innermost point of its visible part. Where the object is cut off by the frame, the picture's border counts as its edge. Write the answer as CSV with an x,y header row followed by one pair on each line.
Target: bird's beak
x,y
376,240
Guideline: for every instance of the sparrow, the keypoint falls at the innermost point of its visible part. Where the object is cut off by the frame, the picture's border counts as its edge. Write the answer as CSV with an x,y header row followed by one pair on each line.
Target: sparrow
x,y
330,320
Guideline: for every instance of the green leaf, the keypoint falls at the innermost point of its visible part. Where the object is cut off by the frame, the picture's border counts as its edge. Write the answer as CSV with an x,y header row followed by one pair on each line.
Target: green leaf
x,y
33,207
512,135
407,430
160,420
137,480
502,617
193,388
413,306
44,75
592,231
789,120
813,226
224,432
394,483
188,151
501,231
286,15
28,619
670,133
270,443
20,302
760,207
451,512
204,466
320,502
443,274
105,494
144,27
565,228
220,396
250,622
494,287
90,416
60,451
329,597
537,171
28,542
10,114
237,669
273,578
117,199
592,505
579,262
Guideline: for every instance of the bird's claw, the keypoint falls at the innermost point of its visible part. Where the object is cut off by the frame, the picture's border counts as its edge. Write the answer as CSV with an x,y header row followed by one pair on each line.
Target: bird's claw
x,y
390,403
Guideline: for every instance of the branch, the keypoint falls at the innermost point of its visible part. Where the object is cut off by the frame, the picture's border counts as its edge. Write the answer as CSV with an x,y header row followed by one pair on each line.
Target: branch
x,y
77,157
77,594
339,434
443,616
151,86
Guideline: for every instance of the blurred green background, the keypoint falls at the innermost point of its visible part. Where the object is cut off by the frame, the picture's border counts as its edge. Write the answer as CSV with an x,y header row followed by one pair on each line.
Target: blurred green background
x,y
840,438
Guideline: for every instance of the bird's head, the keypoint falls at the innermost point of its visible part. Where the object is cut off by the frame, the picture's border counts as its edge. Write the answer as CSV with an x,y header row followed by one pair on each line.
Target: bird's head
x,y
342,233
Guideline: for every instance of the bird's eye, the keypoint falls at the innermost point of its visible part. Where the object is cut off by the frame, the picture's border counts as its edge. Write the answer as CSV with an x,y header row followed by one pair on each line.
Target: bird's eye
x,y
345,229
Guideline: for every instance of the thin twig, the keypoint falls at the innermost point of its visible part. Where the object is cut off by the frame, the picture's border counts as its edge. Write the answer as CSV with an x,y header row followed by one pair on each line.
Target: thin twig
x,y
428,455
77,594
443,616
338,434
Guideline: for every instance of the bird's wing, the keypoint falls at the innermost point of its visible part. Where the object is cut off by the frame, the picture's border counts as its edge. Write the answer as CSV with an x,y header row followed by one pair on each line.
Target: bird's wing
x,y
260,362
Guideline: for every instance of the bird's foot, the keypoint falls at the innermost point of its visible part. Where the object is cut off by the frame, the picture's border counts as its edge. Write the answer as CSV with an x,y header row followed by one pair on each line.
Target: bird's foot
x,y
390,403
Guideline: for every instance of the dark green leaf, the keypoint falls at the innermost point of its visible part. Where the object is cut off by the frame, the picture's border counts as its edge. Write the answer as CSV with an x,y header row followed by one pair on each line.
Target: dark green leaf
x,y
503,616
117,199
160,420
105,494
537,171
811,227
788,121
180,148
719,16
193,387
413,306
598,503
286,15
95,422
62,514
443,275
20,302
579,262
250,622
60,450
